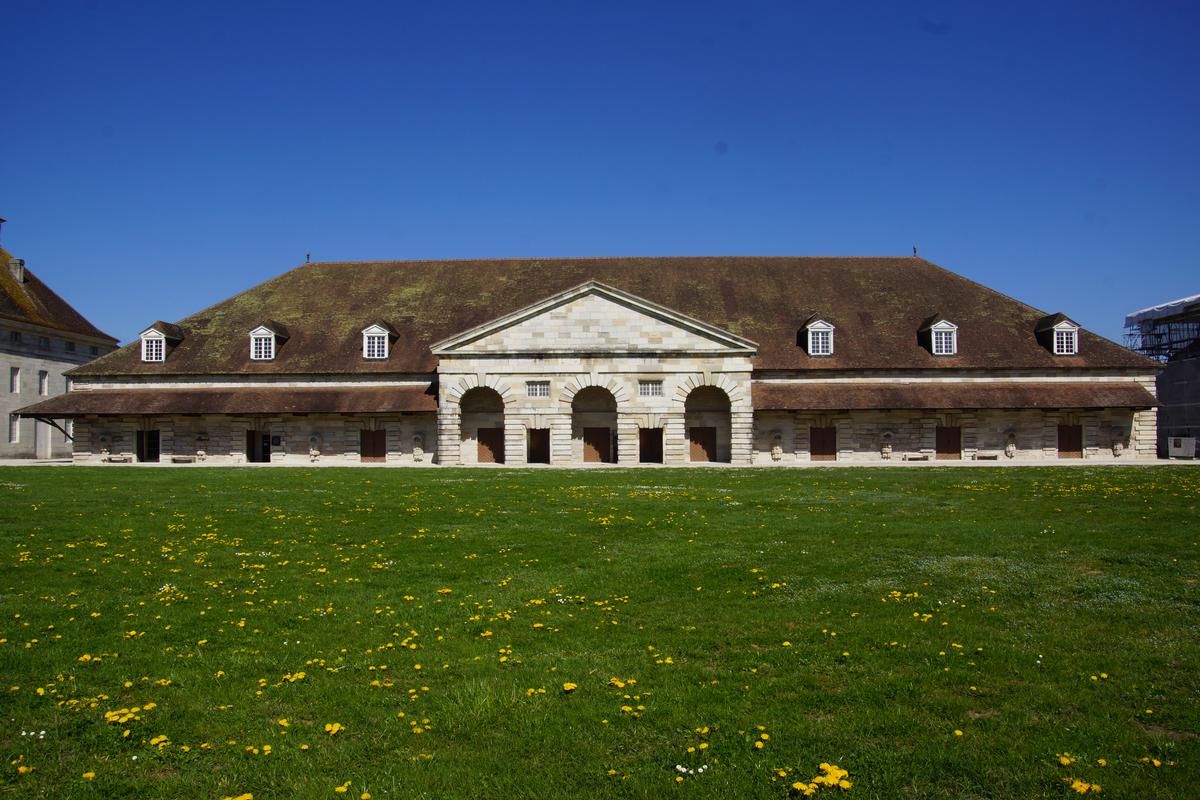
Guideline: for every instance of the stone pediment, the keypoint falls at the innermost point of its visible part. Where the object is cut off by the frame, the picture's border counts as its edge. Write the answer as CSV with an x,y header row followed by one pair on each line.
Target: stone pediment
x,y
594,318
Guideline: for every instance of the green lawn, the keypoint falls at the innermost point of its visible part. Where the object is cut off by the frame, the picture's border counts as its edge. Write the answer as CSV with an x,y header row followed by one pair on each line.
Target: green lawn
x,y
756,623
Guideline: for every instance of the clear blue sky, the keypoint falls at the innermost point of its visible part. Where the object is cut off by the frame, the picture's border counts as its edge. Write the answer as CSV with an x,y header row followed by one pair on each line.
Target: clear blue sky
x,y
156,157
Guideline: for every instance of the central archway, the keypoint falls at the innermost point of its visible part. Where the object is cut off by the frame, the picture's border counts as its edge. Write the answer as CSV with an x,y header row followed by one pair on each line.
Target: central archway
x,y
594,424
482,426
707,418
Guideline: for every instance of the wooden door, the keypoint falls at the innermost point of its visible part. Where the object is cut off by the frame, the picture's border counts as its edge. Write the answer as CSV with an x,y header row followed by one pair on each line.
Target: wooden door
x,y
650,445
1070,441
822,443
949,442
372,446
703,443
597,445
491,445
539,446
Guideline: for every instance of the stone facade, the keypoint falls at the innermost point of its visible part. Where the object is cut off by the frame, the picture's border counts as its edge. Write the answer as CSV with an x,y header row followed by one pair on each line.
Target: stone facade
x,y
598,375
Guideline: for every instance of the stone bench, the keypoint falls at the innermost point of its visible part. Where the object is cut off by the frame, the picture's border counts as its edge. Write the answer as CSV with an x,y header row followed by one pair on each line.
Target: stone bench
x,y
183,459
914,457
118,459
987,456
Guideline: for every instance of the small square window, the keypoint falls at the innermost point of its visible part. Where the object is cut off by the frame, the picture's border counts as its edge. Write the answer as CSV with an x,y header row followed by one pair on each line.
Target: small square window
x,y
650,388
44,342
537,388
14,337
95,350
1065,343
70,346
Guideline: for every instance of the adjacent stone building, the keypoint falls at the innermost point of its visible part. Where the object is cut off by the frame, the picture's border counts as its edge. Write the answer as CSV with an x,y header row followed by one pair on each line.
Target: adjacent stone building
x,y
620,360
41,336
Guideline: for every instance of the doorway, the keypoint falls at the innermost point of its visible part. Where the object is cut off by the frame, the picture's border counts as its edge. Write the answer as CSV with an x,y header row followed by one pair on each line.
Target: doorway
x,y
490,449
650,445
539,446
146,446
948,441
258,447
1070,441
372,446
822,443
594,420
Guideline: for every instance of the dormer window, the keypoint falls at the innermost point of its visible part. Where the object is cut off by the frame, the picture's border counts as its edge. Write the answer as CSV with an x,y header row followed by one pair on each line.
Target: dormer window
x,y
1066,339
944,338
262,346
158,340
266,339
375,342
820,338
1058,334
154,346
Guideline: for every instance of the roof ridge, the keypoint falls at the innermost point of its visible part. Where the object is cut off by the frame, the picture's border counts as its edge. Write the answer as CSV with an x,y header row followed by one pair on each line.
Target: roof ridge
x,y
514,259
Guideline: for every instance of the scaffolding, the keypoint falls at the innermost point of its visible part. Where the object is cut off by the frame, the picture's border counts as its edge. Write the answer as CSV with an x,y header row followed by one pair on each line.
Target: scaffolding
x,y
1167,332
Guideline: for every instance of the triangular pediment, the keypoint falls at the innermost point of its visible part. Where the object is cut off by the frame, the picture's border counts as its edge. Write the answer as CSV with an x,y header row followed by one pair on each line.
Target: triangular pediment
x,y
594,318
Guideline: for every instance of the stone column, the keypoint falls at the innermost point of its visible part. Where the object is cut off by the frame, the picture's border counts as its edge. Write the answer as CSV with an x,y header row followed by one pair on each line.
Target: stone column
x,y
676,449
515,451
741,436
627,438
449,428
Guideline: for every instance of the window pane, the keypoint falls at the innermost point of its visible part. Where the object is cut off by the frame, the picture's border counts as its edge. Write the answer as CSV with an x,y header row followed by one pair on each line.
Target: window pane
x,y
537,388
650,388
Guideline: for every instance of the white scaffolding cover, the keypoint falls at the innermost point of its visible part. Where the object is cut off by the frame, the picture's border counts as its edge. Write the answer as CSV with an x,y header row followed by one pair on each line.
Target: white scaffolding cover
x,y
1161,310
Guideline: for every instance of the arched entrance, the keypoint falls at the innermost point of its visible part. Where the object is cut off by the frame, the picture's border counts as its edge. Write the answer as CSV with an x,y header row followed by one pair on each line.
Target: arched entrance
x,y
706,414
482,426
594,424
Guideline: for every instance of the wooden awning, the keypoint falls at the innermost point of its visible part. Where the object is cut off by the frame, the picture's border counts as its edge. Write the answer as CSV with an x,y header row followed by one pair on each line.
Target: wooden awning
x,y
947,395
240,401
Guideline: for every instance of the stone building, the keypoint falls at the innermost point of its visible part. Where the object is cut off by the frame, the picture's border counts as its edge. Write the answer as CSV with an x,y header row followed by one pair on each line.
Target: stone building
x,y
624,360
1169,333
41,336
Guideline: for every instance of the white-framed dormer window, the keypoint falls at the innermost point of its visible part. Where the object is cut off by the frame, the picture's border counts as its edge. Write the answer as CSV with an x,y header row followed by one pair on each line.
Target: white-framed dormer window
x,y
154,346
1066,339
944,337
537,388
262,344
820,338
650,388
375,342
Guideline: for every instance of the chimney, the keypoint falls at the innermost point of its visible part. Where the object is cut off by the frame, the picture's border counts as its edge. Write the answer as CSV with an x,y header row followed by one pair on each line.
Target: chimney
x,y
17,267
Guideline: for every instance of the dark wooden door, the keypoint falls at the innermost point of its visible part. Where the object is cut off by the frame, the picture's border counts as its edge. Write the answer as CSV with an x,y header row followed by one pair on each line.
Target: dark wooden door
x,y
147,446
703,443
949,442
491,445
650,445
372,446
539,446
597,445
822,443
1070,441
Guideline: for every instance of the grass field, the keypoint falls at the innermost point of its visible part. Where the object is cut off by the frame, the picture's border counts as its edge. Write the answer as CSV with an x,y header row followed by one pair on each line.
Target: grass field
x,y
718,633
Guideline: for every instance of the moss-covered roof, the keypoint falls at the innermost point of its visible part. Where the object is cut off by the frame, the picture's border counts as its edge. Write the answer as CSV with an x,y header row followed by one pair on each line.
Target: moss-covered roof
x,y
877,304
33,302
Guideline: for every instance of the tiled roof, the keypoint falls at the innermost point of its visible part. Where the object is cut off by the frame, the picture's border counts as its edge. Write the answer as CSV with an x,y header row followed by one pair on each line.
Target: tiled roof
x,y
877,304
244,400
945,395
33,302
